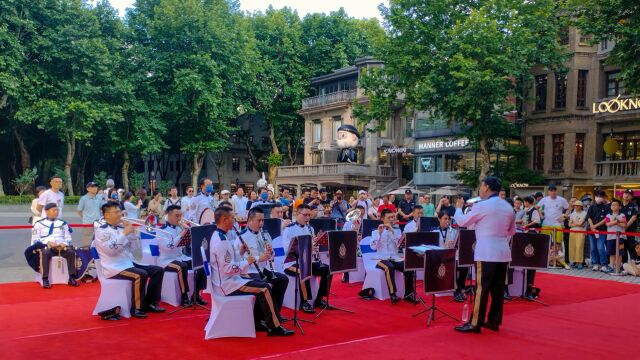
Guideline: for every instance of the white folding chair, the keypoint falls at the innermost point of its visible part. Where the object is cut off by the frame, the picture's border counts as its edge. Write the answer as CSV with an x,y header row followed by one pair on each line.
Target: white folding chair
x,y
57,271
289,295
231,316
375,278
171,293
113,292
146,241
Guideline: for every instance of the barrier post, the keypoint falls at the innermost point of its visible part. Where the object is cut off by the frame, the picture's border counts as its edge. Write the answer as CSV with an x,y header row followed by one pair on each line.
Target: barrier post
x,y
615,263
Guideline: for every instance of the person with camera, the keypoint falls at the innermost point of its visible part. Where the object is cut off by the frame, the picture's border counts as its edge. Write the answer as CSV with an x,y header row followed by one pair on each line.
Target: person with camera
x,y
339,207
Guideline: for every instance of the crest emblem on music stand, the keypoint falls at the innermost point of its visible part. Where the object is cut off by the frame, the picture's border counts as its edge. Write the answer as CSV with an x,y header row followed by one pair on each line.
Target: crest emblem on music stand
x,y
442,271
342,251
529,251
473,247
205,243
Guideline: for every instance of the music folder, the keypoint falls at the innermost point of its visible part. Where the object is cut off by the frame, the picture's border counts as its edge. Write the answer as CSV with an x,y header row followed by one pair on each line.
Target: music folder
x,y
201,237
412,260
439,271
466,246
323,224
300,250
530,250
342,251
368,225
273,226
427,223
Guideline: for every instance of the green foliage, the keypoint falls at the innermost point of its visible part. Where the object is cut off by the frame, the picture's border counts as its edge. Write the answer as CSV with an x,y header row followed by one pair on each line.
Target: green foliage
x,y
100,179
463,60
164,186
25,181
617,20
275,159
136,180
58,171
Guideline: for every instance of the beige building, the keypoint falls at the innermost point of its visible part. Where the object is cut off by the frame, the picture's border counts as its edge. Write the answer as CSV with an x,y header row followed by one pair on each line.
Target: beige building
x,y
565,125
378,166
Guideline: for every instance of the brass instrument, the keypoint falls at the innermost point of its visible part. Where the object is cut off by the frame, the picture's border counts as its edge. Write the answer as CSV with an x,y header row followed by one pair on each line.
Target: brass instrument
x,y
190,223
147,224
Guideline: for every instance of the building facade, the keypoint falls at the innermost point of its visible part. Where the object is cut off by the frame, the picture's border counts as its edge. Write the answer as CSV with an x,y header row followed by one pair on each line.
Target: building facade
x,y
571,115
379,162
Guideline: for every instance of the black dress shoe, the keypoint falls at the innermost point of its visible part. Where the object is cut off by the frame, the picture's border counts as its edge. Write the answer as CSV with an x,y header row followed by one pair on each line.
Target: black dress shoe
x,y
261,326
185,300
458,296
46,284
322,304
307,308
529,296
411,299
155,308
345,277
280,331
137,313
394,299
199,300
506,295
491,326
468,328
73,282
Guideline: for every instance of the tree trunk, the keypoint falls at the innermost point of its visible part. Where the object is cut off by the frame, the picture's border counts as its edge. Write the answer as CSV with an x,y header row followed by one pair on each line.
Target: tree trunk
x,y
125,170
1,186
484,155
71,150
219,163
196,167
273,169
25,157
180,170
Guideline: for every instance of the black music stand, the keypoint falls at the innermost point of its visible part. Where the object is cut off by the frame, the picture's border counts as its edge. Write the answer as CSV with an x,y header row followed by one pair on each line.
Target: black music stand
x,y
428,223
273,226
414,261
529,251
300,251
368,225
439,277
466,257
199,235
342,258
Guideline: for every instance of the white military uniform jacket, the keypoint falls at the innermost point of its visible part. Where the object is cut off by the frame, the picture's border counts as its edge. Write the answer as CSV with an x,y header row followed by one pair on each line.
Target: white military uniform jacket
x,y
291,231
51,232
167,245
411,226
256,241
226,263
114,248
494,222
386,244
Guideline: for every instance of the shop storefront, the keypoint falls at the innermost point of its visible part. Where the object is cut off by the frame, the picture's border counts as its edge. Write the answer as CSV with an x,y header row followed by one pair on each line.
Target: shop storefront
x,y
438,160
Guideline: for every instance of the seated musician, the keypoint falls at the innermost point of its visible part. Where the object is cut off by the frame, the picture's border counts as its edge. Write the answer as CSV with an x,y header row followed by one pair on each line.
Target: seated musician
x,y
228,265
355,225
172,258
447,240
113,243
386,241
55,235
414,224
277,212
259,243
299,228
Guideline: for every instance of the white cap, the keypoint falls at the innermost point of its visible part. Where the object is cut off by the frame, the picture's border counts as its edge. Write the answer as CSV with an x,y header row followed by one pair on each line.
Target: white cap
x,y
361,192
225,192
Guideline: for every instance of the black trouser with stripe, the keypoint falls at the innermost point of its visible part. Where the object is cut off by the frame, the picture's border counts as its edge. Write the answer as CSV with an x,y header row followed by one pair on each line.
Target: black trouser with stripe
x,y
317,269
45,260
264,300
278,283
461,280
389,266
490,278
629,247
141,294
182,268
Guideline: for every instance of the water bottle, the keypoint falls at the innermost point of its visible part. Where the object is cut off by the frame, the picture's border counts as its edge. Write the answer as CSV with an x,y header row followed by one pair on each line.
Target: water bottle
x,y
465,313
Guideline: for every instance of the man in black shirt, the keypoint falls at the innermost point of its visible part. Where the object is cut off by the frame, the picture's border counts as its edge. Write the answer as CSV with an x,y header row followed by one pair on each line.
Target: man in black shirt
x,y
445,206
630,211
596,218
405,206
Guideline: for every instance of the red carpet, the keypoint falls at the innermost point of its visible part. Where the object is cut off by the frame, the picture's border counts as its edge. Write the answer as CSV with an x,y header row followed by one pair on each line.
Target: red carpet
x,y
587,319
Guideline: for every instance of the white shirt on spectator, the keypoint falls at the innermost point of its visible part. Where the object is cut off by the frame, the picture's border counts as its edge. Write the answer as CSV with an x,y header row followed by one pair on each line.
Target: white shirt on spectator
x,y
240,205
552,210
51,197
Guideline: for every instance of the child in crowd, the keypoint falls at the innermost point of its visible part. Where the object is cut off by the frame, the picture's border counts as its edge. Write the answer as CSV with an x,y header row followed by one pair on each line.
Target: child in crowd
x,y
616,222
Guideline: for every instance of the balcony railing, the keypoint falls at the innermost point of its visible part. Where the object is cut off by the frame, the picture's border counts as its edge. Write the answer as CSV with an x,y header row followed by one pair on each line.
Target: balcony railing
x,y
617,169
336,97
335,169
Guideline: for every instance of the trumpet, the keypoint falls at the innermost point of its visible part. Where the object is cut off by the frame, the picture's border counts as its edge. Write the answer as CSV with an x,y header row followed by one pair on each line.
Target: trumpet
x,y
353,216
184,222
146,224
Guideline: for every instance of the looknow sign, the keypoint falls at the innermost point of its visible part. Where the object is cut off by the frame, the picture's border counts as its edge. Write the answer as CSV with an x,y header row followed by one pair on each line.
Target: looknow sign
x,y
614,105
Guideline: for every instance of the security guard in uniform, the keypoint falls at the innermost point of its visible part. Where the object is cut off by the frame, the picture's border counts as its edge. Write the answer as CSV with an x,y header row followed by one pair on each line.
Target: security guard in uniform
x,y
203,200
494,222
299,228
172,259
113,243
55,234
226,262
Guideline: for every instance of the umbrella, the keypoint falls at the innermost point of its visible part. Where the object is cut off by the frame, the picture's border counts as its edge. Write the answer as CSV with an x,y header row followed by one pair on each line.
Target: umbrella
x,y
446,191
402,189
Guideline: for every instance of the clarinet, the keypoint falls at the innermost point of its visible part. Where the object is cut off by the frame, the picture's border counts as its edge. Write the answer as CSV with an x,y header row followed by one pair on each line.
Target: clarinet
x,y
262,277
267,273
316,254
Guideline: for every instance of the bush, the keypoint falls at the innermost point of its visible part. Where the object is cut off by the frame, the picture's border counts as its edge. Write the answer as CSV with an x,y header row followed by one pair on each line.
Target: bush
x,y
24,182
26,199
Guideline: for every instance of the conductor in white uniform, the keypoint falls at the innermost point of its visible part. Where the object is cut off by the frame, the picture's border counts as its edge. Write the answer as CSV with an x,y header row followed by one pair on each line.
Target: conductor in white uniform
x,y
494,222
